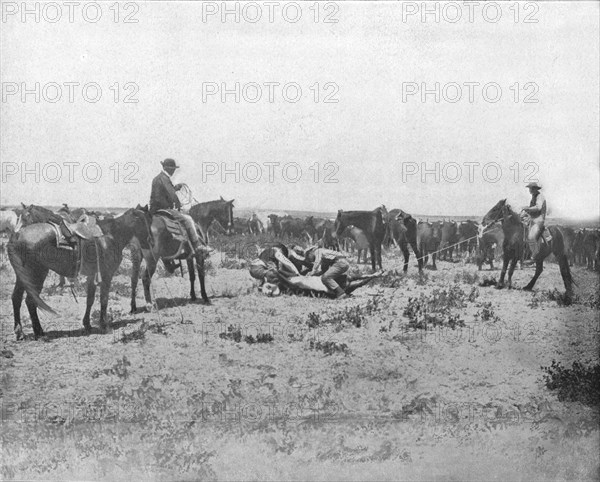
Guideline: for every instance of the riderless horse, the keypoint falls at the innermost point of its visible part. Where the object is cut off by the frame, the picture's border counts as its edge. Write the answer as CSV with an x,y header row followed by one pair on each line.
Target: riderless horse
x,y
35,250
371,223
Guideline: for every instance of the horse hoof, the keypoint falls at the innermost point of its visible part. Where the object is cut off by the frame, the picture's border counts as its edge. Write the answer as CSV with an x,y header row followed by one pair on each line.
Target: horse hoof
x,y
149,307
499,287
527,288
19,335
207,301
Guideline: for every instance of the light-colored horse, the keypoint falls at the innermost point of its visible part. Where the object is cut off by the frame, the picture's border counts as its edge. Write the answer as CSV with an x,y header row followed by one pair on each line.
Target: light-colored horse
x,y
9,221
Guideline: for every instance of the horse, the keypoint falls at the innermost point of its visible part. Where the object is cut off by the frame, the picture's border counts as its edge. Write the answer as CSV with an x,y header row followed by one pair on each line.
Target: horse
x,y
9,221
33,251
467,236
371,223
449,239
512,226
361,242
255,225
161,245
402,230
428,240
327,240
38,214
486,252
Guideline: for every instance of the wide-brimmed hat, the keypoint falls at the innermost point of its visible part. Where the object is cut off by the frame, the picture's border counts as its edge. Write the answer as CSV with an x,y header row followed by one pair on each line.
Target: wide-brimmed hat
x,y
534,185
169,163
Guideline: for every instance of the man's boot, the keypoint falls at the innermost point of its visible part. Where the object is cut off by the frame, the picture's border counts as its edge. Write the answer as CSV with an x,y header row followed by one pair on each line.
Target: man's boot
x,y
340,294
199,248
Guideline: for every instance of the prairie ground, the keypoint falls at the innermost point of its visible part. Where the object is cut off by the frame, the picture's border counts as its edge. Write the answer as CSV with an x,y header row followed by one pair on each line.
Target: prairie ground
x,y
430,377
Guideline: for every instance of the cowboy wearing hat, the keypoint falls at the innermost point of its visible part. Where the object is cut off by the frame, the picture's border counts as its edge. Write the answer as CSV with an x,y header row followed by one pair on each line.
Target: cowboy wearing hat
x,y
537,212
331,265
164,196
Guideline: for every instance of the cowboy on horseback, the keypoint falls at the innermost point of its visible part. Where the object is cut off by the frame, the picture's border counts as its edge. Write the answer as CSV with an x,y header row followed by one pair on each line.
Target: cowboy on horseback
x,y
164,196
537,213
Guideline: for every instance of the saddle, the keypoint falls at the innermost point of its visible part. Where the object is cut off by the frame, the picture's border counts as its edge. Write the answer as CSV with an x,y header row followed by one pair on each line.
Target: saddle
x,y
69,236
173,225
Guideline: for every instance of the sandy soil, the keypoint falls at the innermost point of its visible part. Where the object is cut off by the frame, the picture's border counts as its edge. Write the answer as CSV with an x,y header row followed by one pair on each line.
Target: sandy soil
x,y
162,396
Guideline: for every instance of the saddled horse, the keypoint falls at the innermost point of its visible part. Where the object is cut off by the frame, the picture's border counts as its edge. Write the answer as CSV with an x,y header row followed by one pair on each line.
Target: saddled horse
x,y
512,226
38,214
33,252
162,245
371,223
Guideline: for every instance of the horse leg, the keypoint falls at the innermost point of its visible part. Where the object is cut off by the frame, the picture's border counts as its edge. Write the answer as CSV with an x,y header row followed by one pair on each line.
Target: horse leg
x,y
61,282
417,252
379,259
505,261
91,294
147,279
104,292
136,262
539,267
406,254
565,272
511,270
373,256
201,276
17,299
192,274
39,278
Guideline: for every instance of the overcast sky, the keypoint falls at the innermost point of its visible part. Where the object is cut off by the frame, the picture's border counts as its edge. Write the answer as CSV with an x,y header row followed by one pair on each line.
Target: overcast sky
x,y
372,140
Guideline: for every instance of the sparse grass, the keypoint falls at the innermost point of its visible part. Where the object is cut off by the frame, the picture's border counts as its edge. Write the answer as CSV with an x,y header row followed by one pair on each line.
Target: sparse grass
x,y
329,347
466,277
488,281
234,333
391,279
576,384
486,313
435,309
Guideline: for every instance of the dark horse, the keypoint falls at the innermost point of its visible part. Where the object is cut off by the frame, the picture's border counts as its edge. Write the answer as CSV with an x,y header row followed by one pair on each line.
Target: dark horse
x,y
402,230
512,247
371,222
33,252
38,214
161,245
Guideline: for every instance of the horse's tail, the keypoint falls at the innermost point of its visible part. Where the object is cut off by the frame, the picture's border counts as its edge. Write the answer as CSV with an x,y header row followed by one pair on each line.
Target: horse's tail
x,y
560,252
25,277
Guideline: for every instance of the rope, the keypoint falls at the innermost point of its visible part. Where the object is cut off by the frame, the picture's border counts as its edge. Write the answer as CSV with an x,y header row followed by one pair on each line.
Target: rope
x,y
478,235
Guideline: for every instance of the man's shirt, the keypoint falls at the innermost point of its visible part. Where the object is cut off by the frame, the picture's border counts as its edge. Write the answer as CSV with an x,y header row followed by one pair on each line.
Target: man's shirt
x,y
537,206
163,194
324,256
